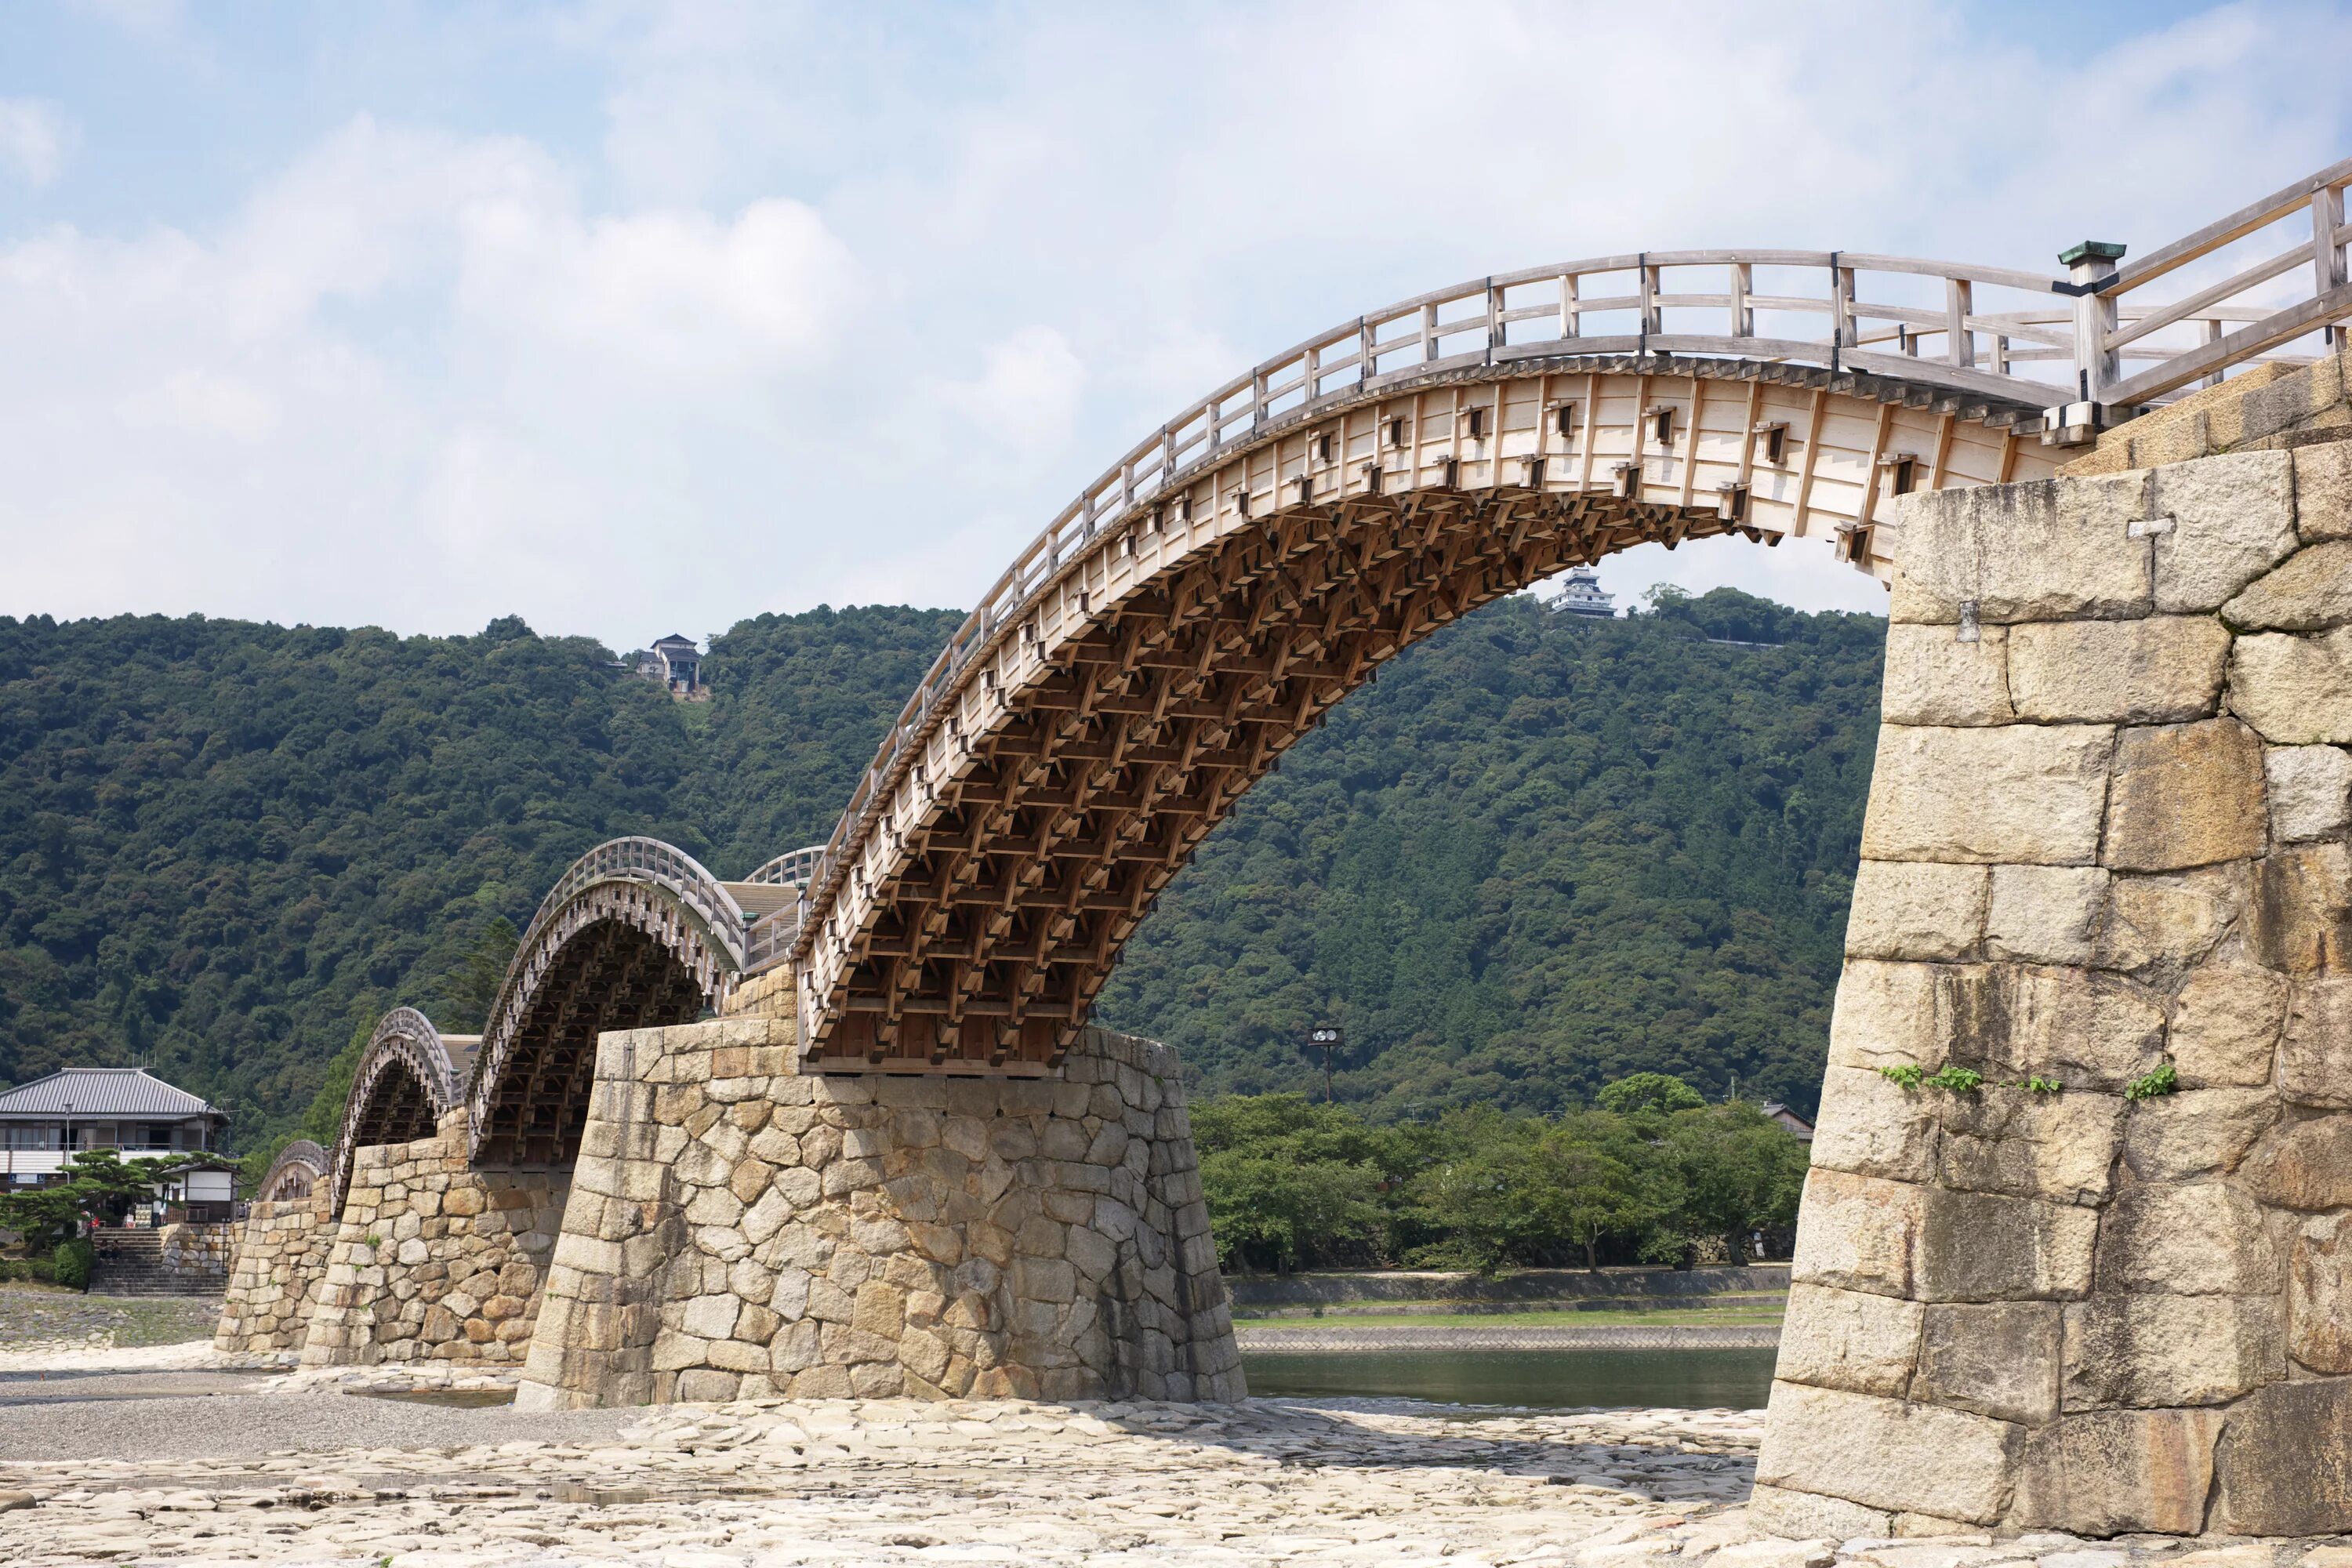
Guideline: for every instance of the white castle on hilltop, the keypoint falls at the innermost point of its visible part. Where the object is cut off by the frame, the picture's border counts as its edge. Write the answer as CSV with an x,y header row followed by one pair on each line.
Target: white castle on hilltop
x,y
1582,594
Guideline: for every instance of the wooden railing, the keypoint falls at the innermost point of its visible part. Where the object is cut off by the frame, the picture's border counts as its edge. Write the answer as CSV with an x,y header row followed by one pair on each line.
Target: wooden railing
x,y
2050,342
790,868
771,937
645,860
2226,333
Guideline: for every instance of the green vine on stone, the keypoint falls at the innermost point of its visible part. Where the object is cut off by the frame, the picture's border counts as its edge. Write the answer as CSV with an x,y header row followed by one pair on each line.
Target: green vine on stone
x,y
2163,1081
1966,1080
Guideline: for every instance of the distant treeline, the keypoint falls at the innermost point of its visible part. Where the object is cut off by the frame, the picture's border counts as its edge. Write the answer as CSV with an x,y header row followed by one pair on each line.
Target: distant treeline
x,y
1540,854
1651,1173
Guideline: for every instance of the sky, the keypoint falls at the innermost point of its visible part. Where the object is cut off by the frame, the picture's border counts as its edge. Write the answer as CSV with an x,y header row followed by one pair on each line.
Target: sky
x,y
637,318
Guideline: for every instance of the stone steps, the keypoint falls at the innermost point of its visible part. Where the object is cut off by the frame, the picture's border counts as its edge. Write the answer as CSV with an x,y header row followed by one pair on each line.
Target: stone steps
x,y
131,1263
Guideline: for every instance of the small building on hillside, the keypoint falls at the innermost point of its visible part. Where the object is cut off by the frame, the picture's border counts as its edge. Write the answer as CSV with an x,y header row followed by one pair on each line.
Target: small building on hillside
x,y
1798,1128
676,662
127,1110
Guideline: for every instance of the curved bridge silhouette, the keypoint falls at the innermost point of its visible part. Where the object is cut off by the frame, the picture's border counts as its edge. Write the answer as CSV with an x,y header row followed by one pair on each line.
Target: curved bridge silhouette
x,y
1206,601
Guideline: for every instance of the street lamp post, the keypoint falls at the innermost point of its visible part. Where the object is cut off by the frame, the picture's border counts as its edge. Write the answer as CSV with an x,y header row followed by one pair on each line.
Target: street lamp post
x,y
1325,1038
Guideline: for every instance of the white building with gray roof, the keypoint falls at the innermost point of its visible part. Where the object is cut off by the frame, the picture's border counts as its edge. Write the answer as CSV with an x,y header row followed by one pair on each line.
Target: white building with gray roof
x,y
129,1109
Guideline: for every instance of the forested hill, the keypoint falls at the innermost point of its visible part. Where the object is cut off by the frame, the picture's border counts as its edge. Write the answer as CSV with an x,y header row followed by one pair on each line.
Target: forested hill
x,y
1541,852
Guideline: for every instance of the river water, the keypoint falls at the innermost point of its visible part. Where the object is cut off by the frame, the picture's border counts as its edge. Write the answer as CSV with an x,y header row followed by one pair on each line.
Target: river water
x,y
1684,1378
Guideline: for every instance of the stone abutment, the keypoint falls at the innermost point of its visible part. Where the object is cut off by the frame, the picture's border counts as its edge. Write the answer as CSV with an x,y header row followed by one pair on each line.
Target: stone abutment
x,y
2076,1249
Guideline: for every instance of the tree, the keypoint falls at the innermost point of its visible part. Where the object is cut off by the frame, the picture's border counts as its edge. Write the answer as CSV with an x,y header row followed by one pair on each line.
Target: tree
x,y
1648,1091
1733,1171
468,994
1596,1181
1290,1184
1269,1211
1541,854
99,1187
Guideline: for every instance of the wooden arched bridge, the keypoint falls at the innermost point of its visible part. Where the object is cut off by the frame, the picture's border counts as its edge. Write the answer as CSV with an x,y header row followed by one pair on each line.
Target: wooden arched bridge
x,y
1207,600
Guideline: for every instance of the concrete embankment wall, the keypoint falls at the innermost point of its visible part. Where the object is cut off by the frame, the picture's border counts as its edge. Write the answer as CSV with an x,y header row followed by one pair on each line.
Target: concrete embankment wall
x,y
1326,1341
1645,1286
736,1228
2106,868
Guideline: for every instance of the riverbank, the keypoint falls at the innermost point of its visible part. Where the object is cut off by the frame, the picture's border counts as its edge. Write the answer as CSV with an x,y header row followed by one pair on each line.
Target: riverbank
x,y
1257,1294
36,1315
1330,1336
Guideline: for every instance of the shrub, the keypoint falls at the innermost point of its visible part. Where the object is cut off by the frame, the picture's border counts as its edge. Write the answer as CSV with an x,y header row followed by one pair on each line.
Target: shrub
x,y
74,1261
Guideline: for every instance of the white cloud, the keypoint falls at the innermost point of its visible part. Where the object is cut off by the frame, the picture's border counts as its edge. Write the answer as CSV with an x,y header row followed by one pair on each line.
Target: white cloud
x,y
838,307
1025,400
34,139
145,19
258,422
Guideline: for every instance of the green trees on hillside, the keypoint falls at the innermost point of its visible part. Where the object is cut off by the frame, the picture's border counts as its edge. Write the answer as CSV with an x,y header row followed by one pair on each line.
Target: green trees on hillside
x,y
1292,1184
1540,854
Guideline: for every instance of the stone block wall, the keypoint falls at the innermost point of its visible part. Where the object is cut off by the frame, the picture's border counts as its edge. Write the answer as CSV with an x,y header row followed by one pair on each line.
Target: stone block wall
x,y
2099,1277
737,1228
281,1254
2262,406
432,1259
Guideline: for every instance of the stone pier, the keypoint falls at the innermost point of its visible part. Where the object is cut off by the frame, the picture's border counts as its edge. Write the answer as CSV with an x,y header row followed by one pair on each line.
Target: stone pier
x,y
2076,1249
737,1228
281,1255
432,1258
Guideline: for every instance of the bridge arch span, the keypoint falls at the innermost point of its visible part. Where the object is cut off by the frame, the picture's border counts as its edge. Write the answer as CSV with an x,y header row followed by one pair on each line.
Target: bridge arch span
x,y
407,1079
636,934
295,1174
1134,675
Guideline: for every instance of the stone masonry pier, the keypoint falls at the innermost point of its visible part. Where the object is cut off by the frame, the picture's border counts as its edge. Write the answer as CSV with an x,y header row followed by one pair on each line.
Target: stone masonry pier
x,y
2076,1249
738,1228
273,1281
734,1227
434,1259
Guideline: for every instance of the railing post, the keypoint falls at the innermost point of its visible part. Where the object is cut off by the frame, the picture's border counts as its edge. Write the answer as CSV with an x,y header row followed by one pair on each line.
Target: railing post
x,y
1960,344
2327,258
2098,364
1743,314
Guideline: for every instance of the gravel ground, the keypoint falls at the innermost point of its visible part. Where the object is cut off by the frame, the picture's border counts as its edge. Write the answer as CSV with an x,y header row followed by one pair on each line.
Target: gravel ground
x,y
844,1484
246,1426
56,1387
29,1311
